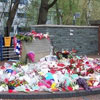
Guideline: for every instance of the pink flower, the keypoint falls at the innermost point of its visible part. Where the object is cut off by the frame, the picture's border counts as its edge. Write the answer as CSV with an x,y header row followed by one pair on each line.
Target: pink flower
x,y
6,80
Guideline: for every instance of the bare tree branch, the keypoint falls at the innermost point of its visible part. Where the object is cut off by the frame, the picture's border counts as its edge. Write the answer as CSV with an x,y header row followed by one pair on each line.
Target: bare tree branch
x,y
50,5
12,13
10,8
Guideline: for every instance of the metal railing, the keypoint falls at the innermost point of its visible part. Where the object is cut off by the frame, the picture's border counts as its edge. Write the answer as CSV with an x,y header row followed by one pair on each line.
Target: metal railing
x,y
7,53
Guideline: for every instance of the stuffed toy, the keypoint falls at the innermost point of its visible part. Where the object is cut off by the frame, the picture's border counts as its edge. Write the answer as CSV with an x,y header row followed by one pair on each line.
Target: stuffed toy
x,y
31,56
91,81
94,80
82,83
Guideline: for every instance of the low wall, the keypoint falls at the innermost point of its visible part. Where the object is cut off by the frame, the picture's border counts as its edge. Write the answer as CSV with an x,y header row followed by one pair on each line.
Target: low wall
x,y
83,38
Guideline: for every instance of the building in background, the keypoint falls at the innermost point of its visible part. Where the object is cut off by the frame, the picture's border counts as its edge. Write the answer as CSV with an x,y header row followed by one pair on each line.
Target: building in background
x,y
20,18
22,22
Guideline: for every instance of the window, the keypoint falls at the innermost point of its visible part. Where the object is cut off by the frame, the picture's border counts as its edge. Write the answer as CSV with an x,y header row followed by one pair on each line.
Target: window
x,y
21,15
3,0
22,2
6,14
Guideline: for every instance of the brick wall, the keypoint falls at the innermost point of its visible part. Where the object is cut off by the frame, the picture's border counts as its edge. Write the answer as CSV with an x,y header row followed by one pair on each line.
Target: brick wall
x,y
83,38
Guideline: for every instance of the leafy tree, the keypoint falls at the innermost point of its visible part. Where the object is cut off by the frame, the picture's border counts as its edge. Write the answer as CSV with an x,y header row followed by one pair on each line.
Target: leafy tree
x,y
65,10
95,13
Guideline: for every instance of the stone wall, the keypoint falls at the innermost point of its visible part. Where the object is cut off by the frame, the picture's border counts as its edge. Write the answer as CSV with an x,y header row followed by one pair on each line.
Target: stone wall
x,y
41,48
82,38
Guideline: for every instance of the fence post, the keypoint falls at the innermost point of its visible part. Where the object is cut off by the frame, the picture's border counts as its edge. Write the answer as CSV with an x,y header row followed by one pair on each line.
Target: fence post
x,y
99,40
1,45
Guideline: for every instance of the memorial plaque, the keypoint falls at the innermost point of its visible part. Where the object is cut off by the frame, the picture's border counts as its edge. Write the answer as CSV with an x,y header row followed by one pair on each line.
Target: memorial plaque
x,y
41,48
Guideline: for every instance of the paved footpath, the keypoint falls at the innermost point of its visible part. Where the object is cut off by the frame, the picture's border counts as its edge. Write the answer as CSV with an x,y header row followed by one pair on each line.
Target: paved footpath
x,y
93,97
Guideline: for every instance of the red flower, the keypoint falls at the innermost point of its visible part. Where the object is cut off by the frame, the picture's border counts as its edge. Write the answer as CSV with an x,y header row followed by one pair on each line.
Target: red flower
x,y
72,61
70,66
10,91
87,73
63,89
80,60
59,64
52,71
69,88
90,70
6,80
27,90
17,85
12,82
2,67
74,51
33,32
87,62
68,70
78,65
21,82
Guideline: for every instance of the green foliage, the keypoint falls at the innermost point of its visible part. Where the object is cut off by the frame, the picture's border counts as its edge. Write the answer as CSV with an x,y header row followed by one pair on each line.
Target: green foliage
x,y
24,37
18,64
70,7
67,10
95,14
32,12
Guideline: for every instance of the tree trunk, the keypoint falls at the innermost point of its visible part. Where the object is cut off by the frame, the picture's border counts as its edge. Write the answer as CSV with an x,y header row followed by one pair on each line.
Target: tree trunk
x,y
12,13
43,11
